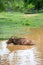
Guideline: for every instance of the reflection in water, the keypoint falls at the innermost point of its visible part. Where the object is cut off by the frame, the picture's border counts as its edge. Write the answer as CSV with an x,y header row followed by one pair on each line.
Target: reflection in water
x,y
25,55
22,57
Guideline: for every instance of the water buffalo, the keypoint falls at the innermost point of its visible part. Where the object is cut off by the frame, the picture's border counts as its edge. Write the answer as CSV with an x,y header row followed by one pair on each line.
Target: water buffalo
x,y
20,41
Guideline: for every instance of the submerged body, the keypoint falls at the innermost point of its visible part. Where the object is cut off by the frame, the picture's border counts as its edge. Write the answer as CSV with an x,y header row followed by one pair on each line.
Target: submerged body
x,y
20,41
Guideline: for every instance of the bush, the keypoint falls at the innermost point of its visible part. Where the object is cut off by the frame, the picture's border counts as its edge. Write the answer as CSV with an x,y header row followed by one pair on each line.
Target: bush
x,y
41,11
30,9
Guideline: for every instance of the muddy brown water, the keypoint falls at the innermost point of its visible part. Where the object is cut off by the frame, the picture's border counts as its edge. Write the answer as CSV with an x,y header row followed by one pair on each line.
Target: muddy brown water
x,y
23,54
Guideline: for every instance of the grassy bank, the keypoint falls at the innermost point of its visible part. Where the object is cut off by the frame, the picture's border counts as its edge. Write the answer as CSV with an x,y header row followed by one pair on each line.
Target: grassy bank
x,y
16,23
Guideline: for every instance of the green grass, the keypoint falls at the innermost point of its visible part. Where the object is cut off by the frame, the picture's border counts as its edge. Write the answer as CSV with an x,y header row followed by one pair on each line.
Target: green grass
x,y
16,23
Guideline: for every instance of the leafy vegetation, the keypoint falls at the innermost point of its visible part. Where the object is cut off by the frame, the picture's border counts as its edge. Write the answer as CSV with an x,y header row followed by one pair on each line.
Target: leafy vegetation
x,y
26,6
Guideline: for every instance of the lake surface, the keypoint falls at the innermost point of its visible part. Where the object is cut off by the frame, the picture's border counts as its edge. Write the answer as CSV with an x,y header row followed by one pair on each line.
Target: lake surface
x,y
23,54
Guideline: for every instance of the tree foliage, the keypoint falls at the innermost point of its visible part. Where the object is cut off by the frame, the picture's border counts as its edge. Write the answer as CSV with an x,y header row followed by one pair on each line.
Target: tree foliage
x,y
21,5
